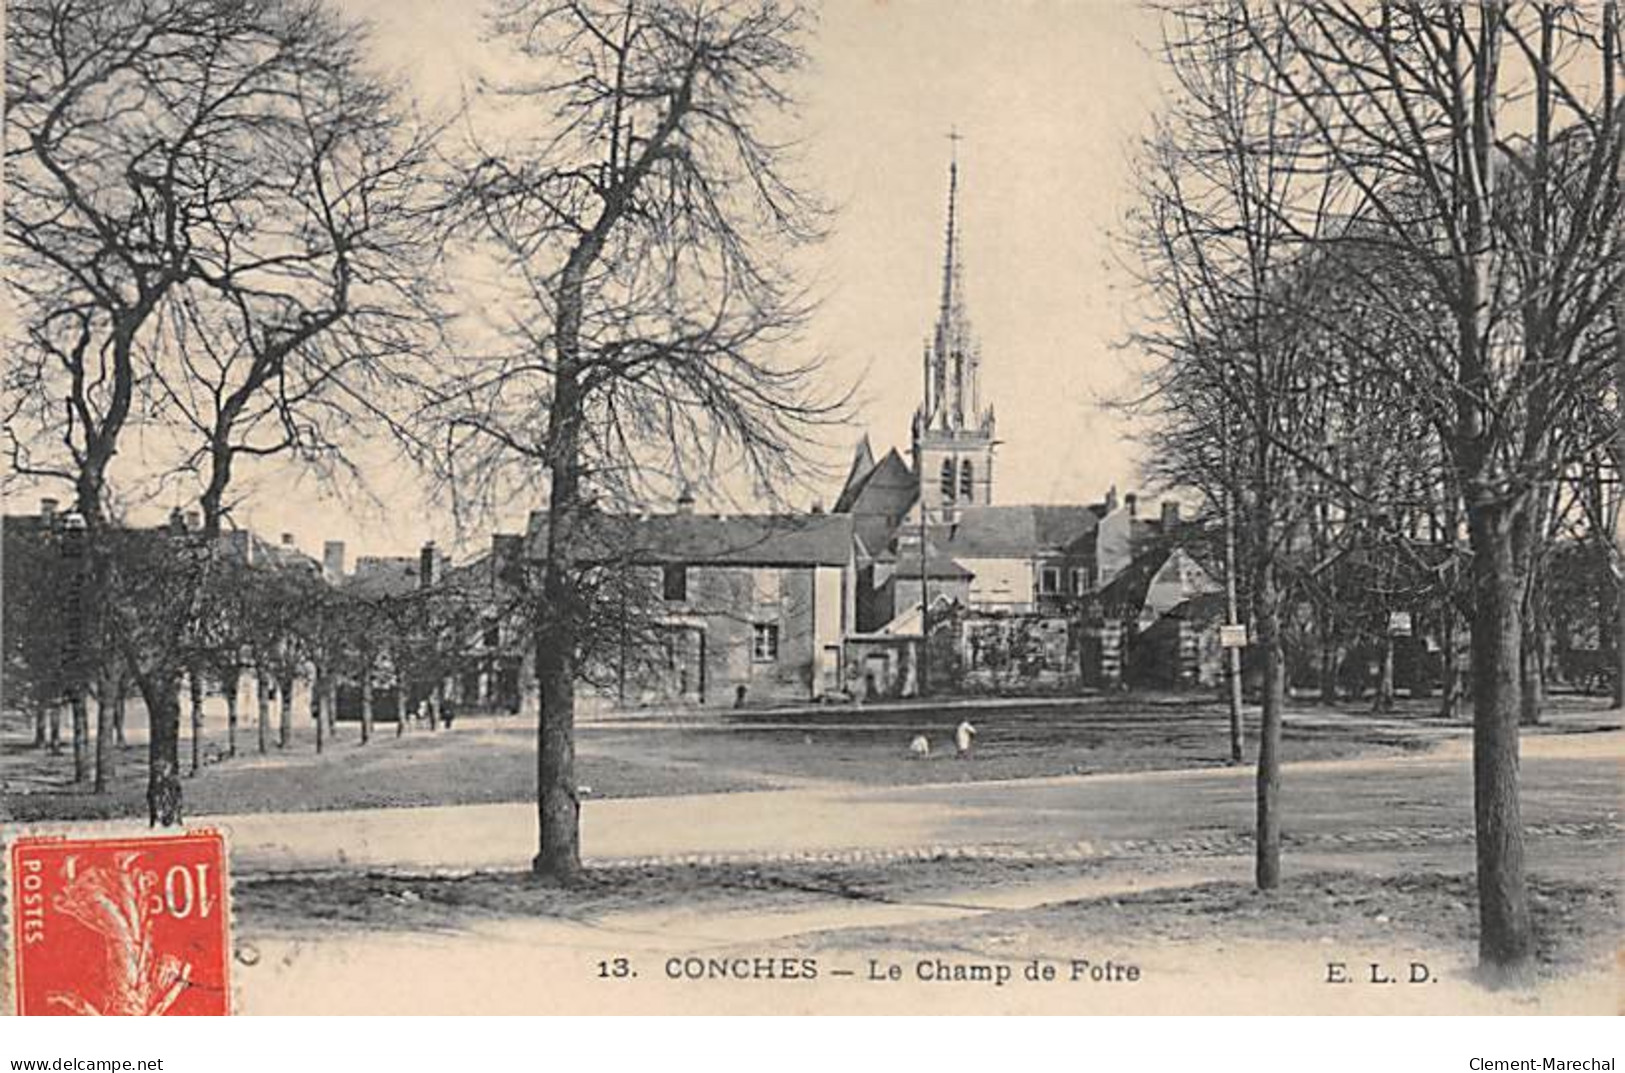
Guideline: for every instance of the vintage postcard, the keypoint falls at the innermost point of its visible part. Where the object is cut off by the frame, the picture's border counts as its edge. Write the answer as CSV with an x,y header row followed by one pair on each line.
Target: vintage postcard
x,y
762,506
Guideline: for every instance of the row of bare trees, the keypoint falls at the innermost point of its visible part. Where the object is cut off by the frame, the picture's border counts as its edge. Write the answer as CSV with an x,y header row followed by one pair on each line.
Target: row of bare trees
x,y
1384,249
277,625
230,241
216,227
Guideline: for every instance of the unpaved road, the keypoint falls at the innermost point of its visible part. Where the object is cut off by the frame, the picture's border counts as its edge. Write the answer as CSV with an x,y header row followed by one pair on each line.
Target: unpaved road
x,y
1568,780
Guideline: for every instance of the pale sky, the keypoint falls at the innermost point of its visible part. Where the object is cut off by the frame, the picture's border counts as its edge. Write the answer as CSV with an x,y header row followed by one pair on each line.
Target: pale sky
x,y
1049,97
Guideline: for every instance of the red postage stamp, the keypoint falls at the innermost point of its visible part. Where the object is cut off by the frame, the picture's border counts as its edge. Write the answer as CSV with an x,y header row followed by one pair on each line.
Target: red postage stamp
x,y
133,926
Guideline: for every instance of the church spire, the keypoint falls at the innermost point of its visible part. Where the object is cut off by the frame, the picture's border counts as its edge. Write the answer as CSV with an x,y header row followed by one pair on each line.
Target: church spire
x,y
950,258
952,393
953,434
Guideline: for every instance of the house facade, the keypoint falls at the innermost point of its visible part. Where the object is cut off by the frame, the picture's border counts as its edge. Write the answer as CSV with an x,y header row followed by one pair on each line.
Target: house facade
x,y
723,610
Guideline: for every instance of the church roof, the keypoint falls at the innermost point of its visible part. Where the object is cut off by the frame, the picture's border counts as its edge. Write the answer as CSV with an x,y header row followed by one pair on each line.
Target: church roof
x,y
863,463
888,490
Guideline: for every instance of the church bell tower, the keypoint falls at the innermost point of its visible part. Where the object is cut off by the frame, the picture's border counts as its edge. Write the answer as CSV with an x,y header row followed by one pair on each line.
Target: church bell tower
x,y
952,430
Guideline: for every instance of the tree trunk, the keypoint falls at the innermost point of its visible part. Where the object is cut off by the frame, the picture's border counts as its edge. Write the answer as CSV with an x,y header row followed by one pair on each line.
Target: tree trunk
x,y
437,695
262,702
1506,941
81,735
318,701
106,691
120,695
231,686
1611,23
1267,870
1385,683
1531,684
284,730
1619,631
1328,672
1450,673
39,725
162,696
558,808
366,701
54,718
195,688
400,708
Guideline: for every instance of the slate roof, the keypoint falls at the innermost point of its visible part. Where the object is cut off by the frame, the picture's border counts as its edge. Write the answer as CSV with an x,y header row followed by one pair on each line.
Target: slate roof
x,y
736,539
939,566
863,463
1016,532
886,488
1125,594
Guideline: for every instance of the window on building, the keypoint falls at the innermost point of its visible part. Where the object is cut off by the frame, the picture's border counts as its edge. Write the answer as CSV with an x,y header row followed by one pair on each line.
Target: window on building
x,y
1049,580
674,581
1080,581
967,480
764,642
947,480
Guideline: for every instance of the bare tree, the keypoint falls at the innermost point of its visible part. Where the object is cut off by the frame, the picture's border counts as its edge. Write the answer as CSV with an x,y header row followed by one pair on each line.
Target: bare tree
x,y
1230,358
1416,114
643,228
214,207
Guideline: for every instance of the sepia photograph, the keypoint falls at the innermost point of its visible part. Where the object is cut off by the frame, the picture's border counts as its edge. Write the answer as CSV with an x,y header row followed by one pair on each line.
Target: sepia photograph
x,y
1082,507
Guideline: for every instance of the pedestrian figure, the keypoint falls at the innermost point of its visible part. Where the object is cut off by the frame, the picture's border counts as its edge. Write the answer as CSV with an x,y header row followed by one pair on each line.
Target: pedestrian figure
x,y
920,746
962,738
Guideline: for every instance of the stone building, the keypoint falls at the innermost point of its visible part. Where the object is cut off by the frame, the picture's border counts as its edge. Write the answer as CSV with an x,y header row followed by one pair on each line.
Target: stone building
x,y
724,609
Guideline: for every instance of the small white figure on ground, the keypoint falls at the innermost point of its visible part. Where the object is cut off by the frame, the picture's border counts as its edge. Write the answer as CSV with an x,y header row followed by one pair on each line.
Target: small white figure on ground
x,y
962,738
920,746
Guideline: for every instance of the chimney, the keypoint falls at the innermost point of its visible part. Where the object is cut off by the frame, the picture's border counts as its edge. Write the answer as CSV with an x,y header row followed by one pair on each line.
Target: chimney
x,y
426,565
287,540
1132,502
685,501
194,521
1170,515
177,522
818,506
333,560
1111,499
47,509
